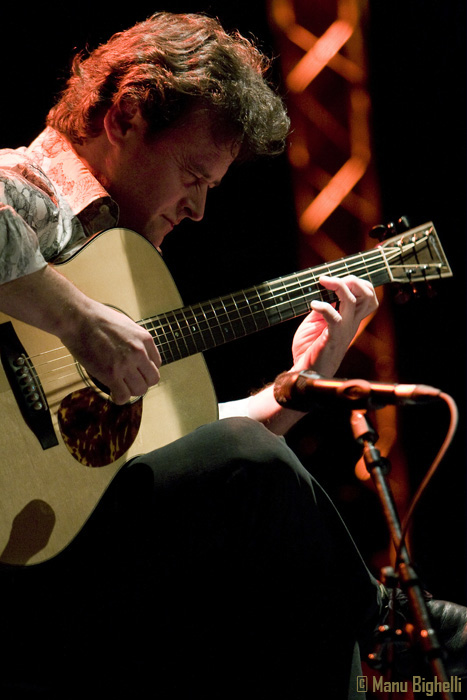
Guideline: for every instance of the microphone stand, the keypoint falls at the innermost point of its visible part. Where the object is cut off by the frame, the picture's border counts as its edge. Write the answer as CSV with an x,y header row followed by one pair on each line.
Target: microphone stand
x,y
423,633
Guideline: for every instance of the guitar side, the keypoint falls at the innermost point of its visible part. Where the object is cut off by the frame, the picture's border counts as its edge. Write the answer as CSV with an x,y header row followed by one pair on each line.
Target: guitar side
x,y
47,495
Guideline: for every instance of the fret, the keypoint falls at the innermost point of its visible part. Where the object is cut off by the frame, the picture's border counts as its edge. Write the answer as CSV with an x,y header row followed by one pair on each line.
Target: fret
x,y
232,313
307,290
158,331
364,274
192,329
199,327
207,324
186,333
239,315
235,327
379,275
311,288
174,336
246,312
281,307
303,293
257,308
224,319
166,336
214,312
354,265
209,340
150,326
359,267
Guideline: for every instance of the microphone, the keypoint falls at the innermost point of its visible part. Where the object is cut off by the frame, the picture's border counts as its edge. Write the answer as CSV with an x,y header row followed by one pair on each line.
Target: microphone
x,y
305,390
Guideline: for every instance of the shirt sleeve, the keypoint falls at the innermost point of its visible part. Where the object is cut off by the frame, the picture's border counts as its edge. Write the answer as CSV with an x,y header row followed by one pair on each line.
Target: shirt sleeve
x,y
234,409
19,245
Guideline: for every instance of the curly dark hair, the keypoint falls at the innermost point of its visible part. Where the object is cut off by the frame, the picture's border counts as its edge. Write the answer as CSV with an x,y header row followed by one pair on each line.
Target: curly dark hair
x,y
167,65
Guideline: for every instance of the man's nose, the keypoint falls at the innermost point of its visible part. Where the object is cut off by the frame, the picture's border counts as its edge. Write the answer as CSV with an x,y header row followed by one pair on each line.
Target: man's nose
x,y
196,203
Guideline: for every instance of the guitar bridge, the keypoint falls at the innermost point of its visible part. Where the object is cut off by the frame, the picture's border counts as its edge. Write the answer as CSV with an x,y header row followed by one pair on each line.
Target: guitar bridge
x,y
26,386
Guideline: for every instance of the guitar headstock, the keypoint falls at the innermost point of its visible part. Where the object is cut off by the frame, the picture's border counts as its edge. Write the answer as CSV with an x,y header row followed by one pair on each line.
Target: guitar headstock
x,y
415,256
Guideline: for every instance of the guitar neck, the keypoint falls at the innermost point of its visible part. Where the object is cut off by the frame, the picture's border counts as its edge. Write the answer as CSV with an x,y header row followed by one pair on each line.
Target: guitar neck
x,y
193,329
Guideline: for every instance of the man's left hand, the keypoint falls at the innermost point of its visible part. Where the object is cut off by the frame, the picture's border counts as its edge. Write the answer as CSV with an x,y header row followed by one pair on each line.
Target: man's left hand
x,y
322,339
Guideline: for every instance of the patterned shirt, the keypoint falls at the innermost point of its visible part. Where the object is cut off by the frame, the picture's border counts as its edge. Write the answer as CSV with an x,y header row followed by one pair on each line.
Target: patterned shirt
x,y
49,202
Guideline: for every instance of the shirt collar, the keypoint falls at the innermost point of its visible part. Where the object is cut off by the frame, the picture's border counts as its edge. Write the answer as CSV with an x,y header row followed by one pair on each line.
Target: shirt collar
x,y
88,200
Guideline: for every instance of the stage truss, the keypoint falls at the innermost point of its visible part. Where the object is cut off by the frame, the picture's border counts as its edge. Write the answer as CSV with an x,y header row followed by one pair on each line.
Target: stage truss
x,y
323,58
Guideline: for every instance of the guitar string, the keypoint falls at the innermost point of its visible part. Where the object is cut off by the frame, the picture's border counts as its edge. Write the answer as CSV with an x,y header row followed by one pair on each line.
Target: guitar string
x,y
265,294
272,290
293,276
299,280
162,343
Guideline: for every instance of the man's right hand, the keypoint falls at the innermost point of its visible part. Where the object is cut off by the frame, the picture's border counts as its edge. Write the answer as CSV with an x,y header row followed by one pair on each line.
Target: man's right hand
x,y
111,347
116,351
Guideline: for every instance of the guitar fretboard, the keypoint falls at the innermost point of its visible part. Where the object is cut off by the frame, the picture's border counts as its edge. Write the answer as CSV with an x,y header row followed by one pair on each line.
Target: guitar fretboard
x,y
192,329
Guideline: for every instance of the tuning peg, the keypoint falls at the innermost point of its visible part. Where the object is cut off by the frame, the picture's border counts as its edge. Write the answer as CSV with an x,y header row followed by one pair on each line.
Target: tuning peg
x,y
379,232
402,224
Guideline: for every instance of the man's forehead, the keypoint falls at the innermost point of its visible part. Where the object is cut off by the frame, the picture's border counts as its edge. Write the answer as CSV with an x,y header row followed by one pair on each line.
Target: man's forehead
x,y
200,128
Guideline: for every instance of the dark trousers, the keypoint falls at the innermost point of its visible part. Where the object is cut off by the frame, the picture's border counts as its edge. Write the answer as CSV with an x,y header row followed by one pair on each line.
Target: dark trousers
x,y
214,567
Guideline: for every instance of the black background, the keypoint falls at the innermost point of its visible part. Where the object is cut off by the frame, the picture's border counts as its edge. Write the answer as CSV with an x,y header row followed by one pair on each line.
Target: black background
x,y
417,80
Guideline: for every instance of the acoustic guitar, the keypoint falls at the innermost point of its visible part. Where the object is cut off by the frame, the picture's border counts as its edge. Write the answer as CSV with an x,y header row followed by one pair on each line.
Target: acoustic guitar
x,y
62,440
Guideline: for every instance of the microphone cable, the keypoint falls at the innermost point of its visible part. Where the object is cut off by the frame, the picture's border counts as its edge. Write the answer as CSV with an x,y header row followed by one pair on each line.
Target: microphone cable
x,y
454,419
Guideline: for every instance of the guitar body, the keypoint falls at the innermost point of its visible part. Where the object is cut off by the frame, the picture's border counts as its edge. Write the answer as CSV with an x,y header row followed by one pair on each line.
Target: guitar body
x,y
50,493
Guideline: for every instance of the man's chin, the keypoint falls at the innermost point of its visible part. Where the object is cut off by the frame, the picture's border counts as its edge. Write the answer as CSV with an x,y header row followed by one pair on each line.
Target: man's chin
x,y
155,237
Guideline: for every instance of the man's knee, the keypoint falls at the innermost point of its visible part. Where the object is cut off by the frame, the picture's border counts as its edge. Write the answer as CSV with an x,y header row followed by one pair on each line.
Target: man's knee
x,y
221,449
246,440
244,437
266,462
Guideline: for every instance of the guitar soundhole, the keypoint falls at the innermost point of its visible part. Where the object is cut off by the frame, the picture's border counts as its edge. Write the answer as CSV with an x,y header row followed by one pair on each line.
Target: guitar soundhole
x,y
102,387
94,384
95,430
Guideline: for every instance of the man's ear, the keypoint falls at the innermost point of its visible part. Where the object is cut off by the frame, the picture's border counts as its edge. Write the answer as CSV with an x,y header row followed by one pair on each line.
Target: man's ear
x,y
122,120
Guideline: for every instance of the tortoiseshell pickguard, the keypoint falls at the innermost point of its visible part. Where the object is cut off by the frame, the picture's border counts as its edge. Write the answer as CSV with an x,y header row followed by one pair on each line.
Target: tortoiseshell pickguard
x,y
95,430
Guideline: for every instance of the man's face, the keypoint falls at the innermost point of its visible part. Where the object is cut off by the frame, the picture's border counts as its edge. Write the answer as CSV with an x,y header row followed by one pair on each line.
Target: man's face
x,y
158,183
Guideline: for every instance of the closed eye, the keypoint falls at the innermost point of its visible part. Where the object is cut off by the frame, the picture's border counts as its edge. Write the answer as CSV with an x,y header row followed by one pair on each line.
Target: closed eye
x,y
204,178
